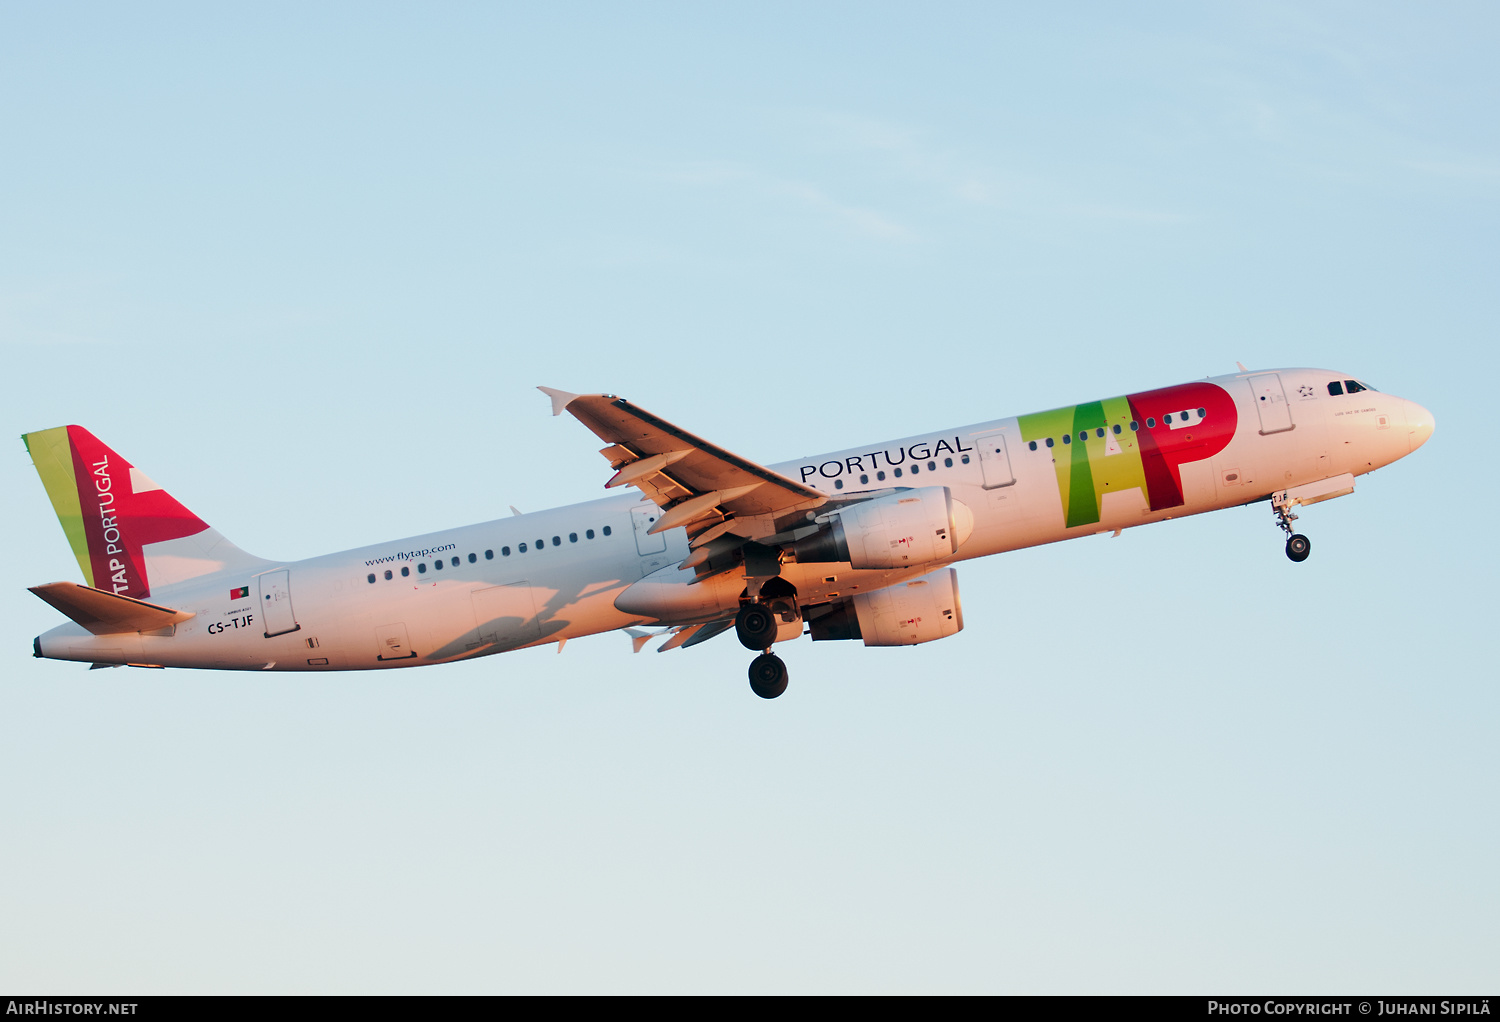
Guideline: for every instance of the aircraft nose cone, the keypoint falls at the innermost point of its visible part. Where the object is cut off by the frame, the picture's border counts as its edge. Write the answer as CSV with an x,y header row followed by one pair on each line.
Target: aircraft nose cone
x,y
1420,423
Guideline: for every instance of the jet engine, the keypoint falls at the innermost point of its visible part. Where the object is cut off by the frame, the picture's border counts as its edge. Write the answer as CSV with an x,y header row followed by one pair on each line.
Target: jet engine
x,y
919,610
900,530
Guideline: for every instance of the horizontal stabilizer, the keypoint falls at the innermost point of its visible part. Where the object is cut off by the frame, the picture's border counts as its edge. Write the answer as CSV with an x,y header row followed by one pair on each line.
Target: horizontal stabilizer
x,y
105,613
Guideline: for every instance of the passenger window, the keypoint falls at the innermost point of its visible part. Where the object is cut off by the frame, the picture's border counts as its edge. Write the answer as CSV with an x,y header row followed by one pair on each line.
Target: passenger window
x,y
505,551
606,530
932,466
1049,442
1352,387
557,541
541,543
489,555
1202,413
1067,438
863,479
371,577
521,547
1099,432
1033,445
588,534
473,558
880,476
838,484
1117,429
965,459
437,565
947,462
455,561
405,572
1134,426
1150,422
915,469
422,568
572,537
1165,418
898,473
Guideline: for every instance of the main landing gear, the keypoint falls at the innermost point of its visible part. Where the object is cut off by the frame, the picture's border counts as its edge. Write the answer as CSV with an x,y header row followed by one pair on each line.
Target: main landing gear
x,y
756,626
767,676
1298,546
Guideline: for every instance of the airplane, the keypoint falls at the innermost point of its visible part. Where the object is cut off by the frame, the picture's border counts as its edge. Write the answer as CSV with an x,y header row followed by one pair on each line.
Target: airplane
x,y
853,544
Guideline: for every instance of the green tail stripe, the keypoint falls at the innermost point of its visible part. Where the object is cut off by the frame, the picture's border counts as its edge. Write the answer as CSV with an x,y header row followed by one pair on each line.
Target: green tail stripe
x,y
52,454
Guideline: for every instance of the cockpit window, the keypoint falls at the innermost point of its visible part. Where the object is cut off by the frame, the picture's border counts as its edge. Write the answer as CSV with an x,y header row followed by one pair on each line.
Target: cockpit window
x,y
1353,386
1335,389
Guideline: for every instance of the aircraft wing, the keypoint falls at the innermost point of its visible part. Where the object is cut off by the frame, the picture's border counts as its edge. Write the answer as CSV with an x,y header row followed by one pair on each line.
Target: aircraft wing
x,y
698,485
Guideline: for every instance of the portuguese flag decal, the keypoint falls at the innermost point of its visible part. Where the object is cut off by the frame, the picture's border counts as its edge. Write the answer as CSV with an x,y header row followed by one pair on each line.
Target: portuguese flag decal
x,y
239,594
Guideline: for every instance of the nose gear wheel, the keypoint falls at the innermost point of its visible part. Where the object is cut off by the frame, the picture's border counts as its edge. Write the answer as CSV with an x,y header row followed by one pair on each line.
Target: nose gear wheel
x,y
1298,546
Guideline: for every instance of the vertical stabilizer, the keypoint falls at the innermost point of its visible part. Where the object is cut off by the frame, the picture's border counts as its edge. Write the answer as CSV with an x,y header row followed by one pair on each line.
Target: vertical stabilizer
x,y
129,535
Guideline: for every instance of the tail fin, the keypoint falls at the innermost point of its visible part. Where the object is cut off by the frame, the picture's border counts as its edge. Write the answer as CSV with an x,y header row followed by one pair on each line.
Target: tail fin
x,y
128,534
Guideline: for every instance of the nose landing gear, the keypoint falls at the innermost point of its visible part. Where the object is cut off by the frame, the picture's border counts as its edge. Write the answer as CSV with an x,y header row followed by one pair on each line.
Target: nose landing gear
x,y
1298,546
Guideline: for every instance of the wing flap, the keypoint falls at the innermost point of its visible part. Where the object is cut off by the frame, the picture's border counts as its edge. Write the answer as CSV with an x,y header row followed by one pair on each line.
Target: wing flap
x,y
106,613
673,467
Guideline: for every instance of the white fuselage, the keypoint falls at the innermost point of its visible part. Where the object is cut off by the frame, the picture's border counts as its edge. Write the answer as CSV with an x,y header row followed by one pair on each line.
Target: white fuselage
x,y
489,596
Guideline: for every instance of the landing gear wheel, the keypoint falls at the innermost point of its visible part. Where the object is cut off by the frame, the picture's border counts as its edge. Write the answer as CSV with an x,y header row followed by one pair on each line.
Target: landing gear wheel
x,y
756,626
1298,547
767,676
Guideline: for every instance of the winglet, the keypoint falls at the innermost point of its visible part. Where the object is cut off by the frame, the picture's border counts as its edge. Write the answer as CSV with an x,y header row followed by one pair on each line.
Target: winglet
x,y
560,399
1240,364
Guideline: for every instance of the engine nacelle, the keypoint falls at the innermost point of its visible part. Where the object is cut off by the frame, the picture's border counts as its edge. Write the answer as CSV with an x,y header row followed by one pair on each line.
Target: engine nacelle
x,y
919,610
896,531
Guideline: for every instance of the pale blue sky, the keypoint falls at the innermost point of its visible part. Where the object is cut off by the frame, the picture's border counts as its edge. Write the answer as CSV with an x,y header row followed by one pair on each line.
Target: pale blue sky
x,y
305,265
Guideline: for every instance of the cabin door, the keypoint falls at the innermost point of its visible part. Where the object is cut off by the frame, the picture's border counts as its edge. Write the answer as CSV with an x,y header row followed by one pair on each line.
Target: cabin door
x,y
276,616
643,516
1270,402
994,460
